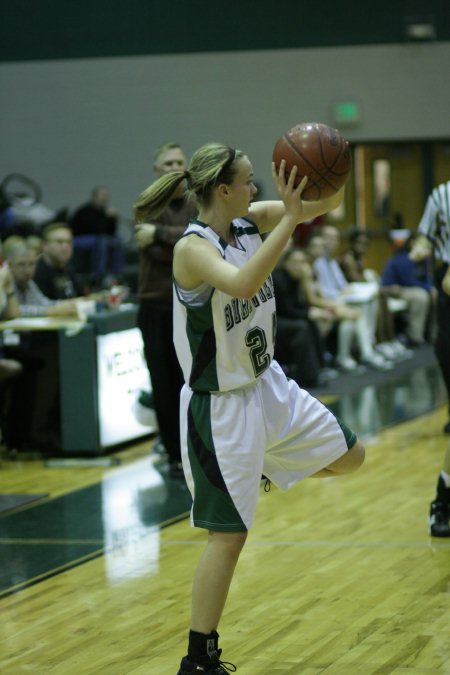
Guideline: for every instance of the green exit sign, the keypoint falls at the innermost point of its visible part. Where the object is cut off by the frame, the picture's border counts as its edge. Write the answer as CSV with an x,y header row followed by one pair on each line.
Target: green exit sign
x,y
346,112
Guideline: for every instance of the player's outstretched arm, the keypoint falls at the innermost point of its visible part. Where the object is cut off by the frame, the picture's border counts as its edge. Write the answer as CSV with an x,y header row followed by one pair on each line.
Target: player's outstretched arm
x,y
267,214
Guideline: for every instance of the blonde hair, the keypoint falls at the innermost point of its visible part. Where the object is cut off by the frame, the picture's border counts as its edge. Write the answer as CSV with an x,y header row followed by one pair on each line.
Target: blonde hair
x,y
18,250
210,164
51,227
10,242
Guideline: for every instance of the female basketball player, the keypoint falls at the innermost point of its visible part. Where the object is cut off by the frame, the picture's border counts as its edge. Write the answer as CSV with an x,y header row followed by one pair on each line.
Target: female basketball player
x,y
240,416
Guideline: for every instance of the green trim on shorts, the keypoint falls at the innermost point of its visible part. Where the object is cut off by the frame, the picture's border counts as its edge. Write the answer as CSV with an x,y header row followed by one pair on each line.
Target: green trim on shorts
x,y
349,435
213,507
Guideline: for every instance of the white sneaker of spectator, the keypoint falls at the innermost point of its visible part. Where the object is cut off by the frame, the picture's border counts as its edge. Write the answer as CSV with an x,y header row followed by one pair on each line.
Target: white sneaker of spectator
x,y
401,351
347,364
377,361
394,350
387,349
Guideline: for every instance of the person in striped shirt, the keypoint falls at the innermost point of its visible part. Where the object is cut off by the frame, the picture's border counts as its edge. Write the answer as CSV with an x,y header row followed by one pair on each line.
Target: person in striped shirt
x,y
434,239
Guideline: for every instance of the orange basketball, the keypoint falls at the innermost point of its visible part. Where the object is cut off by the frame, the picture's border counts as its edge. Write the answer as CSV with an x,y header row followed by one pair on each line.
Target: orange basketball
x,y
320,152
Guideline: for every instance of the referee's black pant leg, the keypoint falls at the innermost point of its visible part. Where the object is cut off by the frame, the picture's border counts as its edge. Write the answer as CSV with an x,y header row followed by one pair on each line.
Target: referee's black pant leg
x,y
442,345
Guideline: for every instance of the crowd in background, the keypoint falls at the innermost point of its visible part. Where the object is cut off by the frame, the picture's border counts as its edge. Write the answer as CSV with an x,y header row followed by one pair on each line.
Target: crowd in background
x,y
43,274
334,314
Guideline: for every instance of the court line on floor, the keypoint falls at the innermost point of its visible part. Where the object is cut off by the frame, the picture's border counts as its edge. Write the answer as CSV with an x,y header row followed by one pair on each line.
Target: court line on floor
x,y
324,543
54,542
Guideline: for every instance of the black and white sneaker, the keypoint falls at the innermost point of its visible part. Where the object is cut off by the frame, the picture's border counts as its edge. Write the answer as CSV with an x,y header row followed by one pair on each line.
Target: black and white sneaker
x,y
206,665
439,520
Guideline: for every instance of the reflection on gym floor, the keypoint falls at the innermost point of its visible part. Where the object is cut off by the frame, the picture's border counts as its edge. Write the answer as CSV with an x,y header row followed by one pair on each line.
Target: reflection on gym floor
x,y
376,407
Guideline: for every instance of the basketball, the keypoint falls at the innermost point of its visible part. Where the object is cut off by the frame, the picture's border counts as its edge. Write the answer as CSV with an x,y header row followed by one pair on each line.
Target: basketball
x,y
320,153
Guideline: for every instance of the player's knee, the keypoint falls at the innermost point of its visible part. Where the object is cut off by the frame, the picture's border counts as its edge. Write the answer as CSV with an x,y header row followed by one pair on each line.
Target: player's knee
x,y
357,453
230,542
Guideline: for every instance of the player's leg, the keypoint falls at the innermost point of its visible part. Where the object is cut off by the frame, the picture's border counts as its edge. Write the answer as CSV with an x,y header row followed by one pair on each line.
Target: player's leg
x,y
305,437
347,463
213,578
209,593
223,462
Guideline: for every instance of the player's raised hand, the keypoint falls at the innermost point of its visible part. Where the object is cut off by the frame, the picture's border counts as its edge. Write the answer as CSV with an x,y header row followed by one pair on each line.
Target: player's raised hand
x,y
290,193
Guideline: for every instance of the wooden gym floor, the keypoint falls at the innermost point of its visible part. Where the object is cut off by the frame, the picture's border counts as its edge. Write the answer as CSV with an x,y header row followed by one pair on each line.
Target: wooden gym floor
x,y
339,576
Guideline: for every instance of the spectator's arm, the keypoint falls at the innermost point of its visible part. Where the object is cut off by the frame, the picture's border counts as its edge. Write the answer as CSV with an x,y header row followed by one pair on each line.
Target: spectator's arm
x,y
144,234
169,234
350,268
33,302
147,234
63,308
11,304
312,296
421,248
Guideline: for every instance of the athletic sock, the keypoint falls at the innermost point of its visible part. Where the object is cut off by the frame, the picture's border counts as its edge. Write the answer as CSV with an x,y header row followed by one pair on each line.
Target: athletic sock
x,y
201,644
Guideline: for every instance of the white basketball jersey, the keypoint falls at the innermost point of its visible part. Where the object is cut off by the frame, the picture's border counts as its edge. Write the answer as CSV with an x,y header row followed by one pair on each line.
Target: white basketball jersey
x,y
224,343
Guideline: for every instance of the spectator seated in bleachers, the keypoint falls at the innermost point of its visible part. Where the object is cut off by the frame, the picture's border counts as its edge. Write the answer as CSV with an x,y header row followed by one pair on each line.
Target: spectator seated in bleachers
x,y
55,273
9,307
364,296
349,320
32,302
299,346
94,226
338,325
352,261
11,369
412,282
32,241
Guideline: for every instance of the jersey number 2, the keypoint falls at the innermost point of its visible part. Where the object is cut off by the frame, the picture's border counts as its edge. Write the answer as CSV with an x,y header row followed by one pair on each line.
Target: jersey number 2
x,y
256,340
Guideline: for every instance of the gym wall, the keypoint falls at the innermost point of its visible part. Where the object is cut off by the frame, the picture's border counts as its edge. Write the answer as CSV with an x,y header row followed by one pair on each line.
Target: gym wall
x,y
78,112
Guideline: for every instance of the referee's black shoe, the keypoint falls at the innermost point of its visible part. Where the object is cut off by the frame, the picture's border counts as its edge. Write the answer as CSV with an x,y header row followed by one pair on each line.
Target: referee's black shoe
x,y
447,428
439,521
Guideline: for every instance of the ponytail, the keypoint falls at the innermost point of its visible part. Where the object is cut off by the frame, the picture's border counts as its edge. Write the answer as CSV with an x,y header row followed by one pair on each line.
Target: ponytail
x,y
154,199
211,164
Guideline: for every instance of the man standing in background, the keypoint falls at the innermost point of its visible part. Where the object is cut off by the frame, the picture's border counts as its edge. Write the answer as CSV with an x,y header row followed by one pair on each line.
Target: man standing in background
x,y
95,228
156,241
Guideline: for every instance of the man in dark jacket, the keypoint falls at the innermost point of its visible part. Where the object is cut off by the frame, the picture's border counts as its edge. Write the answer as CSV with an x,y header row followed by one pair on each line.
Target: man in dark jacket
x,y
156,241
